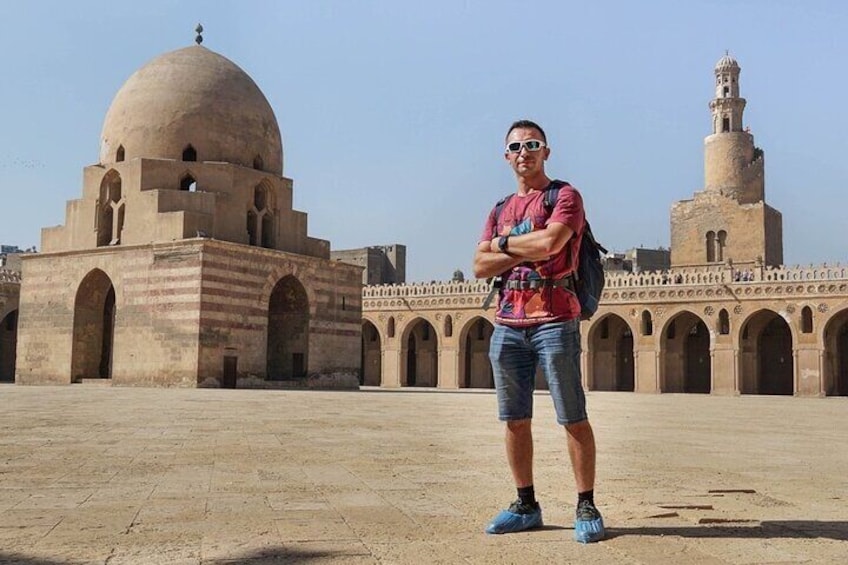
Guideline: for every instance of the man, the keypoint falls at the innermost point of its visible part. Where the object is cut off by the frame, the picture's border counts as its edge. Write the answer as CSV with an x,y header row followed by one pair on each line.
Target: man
x,y
534,250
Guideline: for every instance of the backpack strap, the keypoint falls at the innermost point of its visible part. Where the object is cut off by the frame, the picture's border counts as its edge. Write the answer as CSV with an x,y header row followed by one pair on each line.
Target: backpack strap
x,y
552,193
500,206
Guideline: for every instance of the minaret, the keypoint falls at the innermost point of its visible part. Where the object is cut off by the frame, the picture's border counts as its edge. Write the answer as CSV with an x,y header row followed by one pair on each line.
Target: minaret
x,y
729,220
732,165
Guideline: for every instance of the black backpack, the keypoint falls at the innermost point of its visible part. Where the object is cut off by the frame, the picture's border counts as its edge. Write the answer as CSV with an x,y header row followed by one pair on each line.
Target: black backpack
x,y
589,277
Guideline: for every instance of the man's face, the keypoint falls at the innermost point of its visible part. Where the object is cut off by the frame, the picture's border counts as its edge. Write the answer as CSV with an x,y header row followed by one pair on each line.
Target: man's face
x,y
526,163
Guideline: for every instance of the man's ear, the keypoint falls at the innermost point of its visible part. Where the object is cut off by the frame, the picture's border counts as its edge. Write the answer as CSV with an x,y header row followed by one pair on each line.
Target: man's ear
x,y
547,153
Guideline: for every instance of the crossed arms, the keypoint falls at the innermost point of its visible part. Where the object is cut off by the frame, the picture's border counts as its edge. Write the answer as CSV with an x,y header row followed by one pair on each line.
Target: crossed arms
x,y
534,246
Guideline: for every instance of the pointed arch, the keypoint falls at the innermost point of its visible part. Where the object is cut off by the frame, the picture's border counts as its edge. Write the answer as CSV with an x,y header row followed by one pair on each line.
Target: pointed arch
x,y
475,368
766,361
372,371
710,246
261,223
419,354
288,330
611,363
110,213
8,345
721,243
189,153
806,320
94,327
723,322
685,353
647,326
835,378
188,182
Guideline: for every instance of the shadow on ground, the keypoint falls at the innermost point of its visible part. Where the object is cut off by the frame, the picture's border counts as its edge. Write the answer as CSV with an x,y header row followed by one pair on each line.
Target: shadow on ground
x,y
810,529
267,556
279,555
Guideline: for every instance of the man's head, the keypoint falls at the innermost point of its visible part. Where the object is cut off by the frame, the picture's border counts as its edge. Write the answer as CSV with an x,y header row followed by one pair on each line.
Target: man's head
x,y
526,148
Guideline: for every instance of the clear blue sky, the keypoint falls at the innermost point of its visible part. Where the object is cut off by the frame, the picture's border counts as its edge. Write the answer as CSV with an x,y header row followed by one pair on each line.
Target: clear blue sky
x,y
393,113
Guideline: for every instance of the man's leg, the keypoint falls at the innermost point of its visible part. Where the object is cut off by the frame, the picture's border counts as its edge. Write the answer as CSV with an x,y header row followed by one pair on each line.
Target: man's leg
x,y
558,345
513,364
519,451
581,451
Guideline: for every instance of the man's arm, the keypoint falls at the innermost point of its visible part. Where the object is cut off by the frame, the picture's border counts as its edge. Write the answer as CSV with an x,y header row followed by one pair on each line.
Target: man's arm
x,y
538,245
488,263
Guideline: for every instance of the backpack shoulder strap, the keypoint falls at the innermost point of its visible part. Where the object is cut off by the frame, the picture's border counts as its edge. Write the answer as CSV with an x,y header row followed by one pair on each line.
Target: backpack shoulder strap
x,y
500,205
552,193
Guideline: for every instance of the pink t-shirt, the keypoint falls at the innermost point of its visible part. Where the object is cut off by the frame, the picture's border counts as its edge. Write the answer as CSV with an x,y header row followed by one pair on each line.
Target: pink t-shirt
x,y
525,213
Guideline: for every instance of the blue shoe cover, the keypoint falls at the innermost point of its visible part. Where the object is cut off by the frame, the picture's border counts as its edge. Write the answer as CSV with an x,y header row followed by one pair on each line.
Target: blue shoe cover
x,y
589,531
507,522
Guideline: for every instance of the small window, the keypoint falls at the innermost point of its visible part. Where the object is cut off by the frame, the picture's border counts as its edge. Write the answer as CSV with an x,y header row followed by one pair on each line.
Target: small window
x,y
723,322
188,183
189,154
647,323
448,326
391,328
807,320
726,92
119,155
257,163
725,125
344,306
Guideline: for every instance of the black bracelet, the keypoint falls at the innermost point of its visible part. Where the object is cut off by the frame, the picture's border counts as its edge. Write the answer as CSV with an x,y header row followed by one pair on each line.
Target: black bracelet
x,y
503,243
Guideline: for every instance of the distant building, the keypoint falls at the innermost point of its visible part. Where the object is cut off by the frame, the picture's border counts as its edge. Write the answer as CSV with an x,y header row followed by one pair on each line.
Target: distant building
x,y
646,260
617,263
10,257
384,264
183,263
638,260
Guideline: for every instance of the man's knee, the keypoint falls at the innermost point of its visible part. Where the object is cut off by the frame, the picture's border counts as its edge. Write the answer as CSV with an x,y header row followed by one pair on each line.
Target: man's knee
x,y
579,430
518,426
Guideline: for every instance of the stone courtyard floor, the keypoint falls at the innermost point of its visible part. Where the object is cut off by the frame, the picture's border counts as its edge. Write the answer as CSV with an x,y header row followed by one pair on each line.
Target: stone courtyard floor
x,y
95,474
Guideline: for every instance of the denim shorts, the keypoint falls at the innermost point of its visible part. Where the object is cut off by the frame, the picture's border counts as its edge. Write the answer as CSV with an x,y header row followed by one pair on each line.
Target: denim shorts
x,y
515,354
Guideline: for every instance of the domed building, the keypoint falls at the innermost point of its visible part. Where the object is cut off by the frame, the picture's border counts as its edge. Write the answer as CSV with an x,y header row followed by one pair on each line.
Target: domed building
x,y
183,263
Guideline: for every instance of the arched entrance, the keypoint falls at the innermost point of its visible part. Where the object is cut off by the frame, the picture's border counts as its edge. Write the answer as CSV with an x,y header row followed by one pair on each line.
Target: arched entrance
x,y
94,328
419,355
288,330
611,355
8,343
685,355
836,355
765,355
372,370
475,367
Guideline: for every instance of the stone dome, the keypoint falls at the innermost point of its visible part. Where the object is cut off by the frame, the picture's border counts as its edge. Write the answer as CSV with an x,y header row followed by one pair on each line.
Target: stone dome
x,y
726,62
192,97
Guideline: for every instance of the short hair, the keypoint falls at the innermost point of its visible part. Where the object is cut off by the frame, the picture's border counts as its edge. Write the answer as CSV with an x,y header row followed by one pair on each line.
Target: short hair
x,y
526,124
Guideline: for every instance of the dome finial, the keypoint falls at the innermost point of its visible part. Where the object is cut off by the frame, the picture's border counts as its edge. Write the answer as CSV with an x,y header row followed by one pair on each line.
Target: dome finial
x,y
199,38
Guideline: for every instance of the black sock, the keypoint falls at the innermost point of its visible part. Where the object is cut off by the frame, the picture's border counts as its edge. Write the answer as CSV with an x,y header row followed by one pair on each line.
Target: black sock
x,y
586,495
527,495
